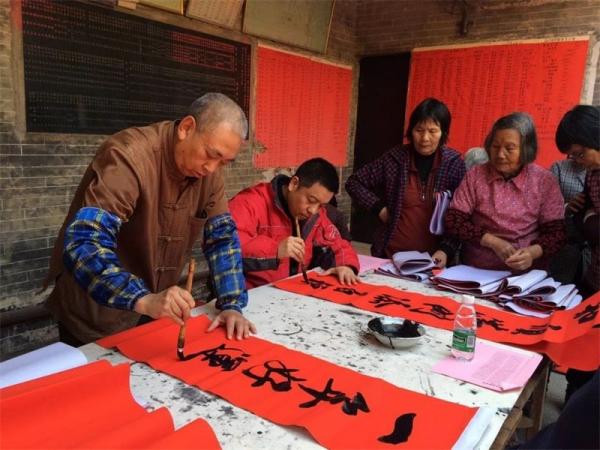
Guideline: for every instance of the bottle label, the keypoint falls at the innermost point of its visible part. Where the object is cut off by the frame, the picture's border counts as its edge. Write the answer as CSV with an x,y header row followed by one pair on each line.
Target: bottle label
x,y
464,340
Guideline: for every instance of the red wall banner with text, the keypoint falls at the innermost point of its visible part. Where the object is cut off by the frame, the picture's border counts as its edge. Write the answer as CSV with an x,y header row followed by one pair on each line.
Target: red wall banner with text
x,y
482,83
302,110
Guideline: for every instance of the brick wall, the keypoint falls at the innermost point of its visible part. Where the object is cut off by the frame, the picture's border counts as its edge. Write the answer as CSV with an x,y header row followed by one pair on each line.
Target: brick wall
x,y
394,26
40,172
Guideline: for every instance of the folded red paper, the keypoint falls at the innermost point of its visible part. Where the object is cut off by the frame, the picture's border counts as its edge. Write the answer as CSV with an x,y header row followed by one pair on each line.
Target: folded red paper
x,y
90,407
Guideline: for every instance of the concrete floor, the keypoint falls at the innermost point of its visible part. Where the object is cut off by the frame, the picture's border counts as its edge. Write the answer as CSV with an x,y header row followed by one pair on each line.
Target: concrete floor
x,y
555,396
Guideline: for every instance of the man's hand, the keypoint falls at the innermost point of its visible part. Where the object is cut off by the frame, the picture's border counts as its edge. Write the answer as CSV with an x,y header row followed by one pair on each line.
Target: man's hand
x,y
384,215
440,259
523,258
577,203
500,247
235,323
291,247
344,273
173,302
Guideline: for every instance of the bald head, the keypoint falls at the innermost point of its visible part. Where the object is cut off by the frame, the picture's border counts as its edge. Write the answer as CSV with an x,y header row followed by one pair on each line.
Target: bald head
x,y
213,109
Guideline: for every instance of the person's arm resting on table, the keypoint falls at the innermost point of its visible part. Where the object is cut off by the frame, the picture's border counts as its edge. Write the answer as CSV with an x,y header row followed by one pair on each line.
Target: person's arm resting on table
x,y
224,256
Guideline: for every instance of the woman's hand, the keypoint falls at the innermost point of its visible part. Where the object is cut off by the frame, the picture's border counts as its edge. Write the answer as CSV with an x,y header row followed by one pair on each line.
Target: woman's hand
x,y
384,215
440,259
503,249
523,258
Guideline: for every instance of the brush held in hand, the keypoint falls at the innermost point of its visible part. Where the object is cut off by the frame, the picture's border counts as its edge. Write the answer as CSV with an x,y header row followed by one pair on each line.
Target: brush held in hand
x,y
304,275
188,287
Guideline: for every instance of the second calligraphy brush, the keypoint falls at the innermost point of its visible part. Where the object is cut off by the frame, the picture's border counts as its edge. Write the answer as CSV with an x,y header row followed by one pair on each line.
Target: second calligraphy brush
x,y
188,287
304,275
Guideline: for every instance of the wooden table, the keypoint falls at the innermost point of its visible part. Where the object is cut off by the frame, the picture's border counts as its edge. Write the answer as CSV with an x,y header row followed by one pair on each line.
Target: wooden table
x,y
332,332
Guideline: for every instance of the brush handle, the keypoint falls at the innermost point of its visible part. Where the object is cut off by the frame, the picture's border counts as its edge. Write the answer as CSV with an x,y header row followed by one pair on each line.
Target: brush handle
x,y
188,287
298,228
302,268
190,277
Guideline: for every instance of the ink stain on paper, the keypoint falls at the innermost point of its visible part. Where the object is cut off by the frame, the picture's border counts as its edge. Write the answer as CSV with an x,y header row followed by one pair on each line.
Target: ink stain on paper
x,y
402,430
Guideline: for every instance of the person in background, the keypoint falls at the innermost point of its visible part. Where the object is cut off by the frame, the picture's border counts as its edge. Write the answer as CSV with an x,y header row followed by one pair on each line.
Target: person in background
x,y
508,212
578,135
143,201
577,424
475,156
400,186
265,215
323,256
569,263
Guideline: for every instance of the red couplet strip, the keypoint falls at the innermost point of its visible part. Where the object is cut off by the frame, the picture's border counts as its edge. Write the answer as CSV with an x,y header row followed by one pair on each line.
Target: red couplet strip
x,y
557,336
341,408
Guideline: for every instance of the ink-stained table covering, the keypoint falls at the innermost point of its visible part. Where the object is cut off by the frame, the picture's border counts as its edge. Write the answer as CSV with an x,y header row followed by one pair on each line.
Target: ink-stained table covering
x,y
326,330
556,335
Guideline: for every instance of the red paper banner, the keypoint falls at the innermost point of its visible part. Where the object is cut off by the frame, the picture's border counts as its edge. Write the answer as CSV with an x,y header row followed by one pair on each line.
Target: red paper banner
x,y
482,83
70,410
339,407
302,110
555,336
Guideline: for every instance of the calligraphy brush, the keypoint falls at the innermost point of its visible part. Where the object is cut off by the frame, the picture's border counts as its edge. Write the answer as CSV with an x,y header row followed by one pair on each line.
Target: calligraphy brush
x,y
304,275
188,287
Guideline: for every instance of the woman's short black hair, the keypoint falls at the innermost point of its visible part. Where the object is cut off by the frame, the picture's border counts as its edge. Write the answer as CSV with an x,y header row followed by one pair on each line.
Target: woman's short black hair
x,y
318,170
579,126
430,108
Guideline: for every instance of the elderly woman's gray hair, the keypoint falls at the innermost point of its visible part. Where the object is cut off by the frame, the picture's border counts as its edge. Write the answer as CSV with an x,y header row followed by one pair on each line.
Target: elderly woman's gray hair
x,y
475,156
214,108
522,123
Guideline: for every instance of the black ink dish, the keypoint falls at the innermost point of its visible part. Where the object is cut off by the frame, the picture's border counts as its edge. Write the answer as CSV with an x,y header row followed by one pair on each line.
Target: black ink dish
x,y
396,333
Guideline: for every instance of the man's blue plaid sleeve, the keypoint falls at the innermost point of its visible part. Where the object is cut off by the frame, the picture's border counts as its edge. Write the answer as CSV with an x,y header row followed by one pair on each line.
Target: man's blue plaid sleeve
x,y
224,256
89,253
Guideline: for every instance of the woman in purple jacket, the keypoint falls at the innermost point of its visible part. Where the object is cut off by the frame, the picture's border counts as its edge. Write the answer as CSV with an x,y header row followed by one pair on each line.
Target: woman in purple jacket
x,y
400,186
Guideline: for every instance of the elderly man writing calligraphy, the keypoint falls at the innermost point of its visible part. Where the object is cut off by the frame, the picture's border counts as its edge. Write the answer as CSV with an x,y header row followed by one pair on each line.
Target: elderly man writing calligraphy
x,y
143,201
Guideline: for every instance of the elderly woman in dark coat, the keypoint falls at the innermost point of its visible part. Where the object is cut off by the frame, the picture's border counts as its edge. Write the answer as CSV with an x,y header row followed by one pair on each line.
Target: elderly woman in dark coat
x,y
508,212
400,186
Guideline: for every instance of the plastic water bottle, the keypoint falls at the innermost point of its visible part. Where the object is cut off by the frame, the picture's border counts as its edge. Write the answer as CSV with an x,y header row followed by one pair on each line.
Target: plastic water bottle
x,y
465,329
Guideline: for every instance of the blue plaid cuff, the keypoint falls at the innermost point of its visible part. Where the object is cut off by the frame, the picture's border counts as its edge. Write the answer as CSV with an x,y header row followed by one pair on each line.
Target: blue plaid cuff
x,y
224,256
89,253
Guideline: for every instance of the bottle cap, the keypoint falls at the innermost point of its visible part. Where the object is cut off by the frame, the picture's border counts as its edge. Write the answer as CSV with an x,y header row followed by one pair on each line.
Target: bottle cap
x,y
468,299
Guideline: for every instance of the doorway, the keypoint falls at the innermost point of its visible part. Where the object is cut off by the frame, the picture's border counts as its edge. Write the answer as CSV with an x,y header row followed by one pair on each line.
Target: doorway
x,y
382,90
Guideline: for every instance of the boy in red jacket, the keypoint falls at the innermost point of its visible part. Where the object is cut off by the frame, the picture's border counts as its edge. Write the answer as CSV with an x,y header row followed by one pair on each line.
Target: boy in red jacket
x,y
265,215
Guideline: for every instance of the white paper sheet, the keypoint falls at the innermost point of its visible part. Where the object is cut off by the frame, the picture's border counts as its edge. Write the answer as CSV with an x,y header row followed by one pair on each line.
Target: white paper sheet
x,y
390,269
442,202
473,433
526,311
545,287
411,262
41,362
520,283
470,277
